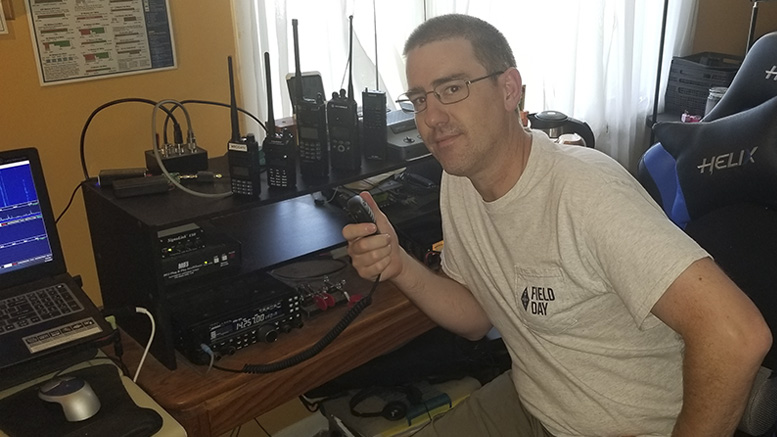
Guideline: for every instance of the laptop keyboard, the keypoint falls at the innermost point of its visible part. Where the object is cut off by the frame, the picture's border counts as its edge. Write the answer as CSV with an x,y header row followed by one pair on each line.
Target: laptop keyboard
x,y
36,307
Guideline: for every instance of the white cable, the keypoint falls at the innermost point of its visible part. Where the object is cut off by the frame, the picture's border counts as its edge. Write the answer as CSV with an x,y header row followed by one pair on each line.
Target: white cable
x,y
155,148
150,340
210,353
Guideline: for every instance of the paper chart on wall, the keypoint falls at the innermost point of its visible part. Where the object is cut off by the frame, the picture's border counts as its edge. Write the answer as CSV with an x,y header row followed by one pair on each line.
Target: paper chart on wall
x,y
79,40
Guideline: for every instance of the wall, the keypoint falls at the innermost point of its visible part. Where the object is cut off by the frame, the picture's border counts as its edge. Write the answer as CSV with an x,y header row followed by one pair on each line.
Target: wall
x,y
51,118
723,25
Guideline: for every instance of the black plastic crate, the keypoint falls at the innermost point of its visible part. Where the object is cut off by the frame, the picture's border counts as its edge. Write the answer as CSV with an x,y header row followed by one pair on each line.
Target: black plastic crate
x,y
691,98
691,77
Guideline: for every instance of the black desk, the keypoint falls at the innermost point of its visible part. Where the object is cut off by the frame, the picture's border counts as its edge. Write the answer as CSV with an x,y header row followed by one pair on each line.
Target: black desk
x,y
280,226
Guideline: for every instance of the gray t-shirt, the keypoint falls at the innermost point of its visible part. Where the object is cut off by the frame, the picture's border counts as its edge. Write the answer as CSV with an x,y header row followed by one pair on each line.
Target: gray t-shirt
x,y
568,265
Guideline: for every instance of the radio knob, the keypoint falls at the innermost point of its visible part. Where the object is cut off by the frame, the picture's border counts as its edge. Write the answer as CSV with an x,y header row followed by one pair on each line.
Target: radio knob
x,y
268,334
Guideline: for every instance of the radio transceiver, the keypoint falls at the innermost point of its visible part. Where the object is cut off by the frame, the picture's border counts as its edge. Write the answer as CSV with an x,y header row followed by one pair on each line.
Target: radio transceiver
x,y
242,152
278,146
343,132
374,133
374,124
267,308
343,120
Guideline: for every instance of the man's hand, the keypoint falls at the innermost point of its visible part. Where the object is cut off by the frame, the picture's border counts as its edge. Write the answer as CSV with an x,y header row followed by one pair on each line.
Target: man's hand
x,y
444,300
373,255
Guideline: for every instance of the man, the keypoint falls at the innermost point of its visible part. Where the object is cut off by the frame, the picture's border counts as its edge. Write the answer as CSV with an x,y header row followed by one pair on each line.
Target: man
x,y
617,323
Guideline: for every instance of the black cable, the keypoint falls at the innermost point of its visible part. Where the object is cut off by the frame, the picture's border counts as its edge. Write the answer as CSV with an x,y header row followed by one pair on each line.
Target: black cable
x,y
170,115
70,202
311,406
118,350
314,406
118,346
100,108
260,426
124,369
190,138
314,350
207,102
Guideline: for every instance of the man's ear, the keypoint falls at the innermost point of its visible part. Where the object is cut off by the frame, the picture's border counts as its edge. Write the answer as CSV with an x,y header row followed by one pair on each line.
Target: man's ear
x,y
512,88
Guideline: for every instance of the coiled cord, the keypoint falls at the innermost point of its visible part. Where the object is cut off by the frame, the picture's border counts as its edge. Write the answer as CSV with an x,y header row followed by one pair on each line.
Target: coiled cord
x,y
314,350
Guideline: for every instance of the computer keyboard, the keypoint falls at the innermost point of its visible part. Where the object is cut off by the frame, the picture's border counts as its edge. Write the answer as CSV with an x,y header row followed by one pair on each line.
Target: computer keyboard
x,y
36,307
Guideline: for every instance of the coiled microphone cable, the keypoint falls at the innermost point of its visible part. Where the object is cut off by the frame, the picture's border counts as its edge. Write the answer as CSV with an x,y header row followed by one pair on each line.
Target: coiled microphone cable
x,y
314,350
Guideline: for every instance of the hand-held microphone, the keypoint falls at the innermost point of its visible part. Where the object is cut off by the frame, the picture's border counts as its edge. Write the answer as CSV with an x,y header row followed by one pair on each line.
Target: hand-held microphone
x,y
278,146
312,141
242,152
359,210
343,122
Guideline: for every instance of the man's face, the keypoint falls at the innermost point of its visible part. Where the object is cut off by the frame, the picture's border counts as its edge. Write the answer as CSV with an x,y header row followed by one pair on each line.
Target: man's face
x,y
459,135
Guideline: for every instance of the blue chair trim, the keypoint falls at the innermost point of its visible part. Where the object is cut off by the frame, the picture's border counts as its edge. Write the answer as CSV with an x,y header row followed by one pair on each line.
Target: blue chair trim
x,y
662,167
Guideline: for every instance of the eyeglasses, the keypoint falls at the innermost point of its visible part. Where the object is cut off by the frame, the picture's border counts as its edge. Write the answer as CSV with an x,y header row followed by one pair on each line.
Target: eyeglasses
x,y
447,93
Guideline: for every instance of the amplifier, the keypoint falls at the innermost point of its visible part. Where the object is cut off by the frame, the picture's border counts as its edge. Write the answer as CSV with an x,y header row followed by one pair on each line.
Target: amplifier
x,y
256,312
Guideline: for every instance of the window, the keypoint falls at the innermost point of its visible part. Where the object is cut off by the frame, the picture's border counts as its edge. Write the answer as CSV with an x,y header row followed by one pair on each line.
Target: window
x,y
594,60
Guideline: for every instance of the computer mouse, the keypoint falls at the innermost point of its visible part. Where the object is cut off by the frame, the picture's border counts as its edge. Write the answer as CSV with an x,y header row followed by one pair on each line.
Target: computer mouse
x,y
78,400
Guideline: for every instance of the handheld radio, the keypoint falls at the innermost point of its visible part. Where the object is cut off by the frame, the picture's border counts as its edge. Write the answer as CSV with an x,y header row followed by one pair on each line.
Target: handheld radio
x,y
278,146
242,152
343,122
374,133
312,142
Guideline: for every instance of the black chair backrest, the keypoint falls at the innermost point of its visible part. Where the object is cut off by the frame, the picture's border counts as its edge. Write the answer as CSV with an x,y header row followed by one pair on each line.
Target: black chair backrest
x,y
755,81
731,156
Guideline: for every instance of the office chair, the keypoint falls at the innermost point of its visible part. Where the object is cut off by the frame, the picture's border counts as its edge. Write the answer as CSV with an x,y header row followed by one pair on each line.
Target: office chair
x,y
717,180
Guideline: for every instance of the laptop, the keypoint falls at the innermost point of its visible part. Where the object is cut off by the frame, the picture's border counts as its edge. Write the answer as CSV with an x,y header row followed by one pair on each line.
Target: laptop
x,y
43,312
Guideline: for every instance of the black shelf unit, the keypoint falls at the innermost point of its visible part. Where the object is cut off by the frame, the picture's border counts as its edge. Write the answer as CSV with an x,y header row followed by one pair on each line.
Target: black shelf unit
x,y
278,227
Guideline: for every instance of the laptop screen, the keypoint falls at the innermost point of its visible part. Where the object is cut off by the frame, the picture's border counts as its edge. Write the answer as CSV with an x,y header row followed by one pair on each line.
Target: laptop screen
x,y
23,237
29,243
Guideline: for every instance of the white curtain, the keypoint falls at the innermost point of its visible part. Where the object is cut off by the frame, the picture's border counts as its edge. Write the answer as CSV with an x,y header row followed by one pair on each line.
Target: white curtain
x,y
594,60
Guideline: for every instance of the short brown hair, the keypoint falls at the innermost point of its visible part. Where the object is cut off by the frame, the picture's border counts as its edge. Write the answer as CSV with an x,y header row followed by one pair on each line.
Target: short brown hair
x,y
490,46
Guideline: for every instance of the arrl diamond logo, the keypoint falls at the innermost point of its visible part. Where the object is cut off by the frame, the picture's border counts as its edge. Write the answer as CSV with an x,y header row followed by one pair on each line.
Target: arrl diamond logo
x,y
536,299
525,297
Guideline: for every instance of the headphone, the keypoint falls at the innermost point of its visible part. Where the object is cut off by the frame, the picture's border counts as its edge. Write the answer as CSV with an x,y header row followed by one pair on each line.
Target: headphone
x,y
393,410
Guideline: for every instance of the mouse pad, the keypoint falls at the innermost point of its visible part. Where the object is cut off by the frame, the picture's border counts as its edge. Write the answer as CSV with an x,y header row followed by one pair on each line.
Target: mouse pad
x,y
24,414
